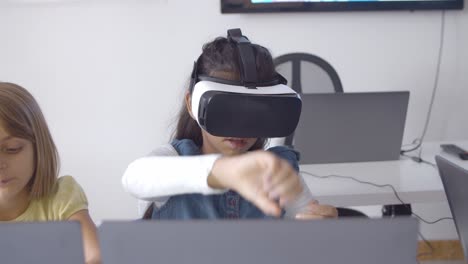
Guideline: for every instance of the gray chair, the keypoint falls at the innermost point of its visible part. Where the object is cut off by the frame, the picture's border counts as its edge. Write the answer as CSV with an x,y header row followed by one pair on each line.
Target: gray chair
x,y
307,73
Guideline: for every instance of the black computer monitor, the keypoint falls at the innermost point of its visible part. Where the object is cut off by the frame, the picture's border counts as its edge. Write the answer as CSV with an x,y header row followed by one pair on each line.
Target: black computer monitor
x,y
259,6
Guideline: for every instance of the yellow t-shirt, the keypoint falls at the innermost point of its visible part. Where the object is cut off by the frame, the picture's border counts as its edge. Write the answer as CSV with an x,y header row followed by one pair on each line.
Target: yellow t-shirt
x,y
68,199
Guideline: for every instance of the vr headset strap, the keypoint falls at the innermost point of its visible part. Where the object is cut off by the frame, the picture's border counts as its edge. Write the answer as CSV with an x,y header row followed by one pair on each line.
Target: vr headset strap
x,y
248,69
247,63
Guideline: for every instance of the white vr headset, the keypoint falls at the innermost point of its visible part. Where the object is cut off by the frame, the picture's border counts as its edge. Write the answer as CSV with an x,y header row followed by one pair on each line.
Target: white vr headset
x,y
245,108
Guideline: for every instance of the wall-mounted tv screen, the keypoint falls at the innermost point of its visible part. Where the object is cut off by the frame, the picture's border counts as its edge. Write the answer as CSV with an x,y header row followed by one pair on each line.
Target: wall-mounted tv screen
x,y
259,6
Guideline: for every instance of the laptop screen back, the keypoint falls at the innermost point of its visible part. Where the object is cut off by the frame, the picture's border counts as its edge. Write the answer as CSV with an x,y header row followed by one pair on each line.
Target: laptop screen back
x,y
351,127
51,243
353,241
455,180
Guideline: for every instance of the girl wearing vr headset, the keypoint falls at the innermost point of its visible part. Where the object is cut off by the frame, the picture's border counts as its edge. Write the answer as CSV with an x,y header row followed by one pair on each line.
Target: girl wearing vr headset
x,y
217,177
29,187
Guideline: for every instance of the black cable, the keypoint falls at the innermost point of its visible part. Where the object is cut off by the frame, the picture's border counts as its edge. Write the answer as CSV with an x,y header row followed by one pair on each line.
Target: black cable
x,y
434,89
399,199
419,160
411,149
436,80
379,186
417,141
428,244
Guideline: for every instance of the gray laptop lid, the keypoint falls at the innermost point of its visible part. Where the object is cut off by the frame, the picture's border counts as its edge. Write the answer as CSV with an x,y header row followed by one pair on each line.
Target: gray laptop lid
x,y
351,127
351,241
455,180
51,243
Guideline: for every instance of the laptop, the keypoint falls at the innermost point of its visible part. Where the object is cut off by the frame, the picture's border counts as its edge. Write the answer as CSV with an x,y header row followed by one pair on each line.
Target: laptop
x,y
350,241
351,127
45,242
455,180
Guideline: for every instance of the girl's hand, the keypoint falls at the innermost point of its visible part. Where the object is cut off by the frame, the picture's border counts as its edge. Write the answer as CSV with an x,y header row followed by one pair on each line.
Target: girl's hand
x,y
261,177
314,210
90,238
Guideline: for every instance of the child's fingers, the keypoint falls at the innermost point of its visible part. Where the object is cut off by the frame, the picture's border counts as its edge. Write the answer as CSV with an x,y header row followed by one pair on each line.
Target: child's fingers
x,y
287,190
308,216
278,172
266,205
283,201
323,210
274,175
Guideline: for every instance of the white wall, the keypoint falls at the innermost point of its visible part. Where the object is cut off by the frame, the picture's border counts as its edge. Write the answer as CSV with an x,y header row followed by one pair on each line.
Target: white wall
x,y
109,75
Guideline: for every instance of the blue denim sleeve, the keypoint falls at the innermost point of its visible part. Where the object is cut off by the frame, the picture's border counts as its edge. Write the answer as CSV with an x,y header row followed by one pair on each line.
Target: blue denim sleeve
x,y
290,155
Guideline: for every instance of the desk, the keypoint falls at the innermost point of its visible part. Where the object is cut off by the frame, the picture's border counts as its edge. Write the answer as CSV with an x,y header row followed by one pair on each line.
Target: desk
x,y
414,182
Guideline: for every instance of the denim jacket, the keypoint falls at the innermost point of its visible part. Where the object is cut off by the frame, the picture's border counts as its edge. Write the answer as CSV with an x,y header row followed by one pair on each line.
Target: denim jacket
x,y
229,205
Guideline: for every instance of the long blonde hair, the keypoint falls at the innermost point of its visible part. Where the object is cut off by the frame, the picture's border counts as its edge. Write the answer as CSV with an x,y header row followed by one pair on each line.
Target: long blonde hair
x,y
22,117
